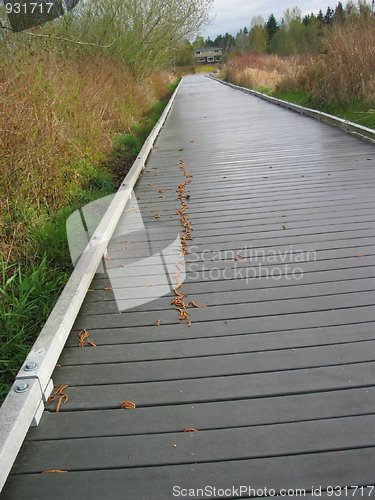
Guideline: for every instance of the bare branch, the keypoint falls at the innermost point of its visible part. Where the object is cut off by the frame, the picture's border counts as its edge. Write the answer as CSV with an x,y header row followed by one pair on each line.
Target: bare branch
x,y
58,38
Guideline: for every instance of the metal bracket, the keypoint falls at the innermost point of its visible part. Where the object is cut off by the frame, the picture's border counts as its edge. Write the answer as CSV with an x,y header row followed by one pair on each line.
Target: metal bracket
x,y
30,371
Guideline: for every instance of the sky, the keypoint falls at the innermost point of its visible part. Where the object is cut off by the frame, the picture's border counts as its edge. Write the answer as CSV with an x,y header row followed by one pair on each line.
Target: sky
x,y
231,15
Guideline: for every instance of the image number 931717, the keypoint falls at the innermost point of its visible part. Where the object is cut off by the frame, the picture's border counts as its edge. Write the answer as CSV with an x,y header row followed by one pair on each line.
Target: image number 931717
x,y
25,14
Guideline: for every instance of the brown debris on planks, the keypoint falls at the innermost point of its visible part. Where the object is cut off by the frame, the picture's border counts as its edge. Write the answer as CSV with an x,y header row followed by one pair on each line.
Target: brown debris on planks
x,y
54,471
128,405
63,398
83,337
183,196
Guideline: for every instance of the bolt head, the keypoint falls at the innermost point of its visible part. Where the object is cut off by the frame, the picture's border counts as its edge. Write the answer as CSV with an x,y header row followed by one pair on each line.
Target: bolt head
x,y
30,366
21,387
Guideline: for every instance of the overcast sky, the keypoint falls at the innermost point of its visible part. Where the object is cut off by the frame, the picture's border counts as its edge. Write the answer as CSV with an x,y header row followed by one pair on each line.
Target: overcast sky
x,y
231,15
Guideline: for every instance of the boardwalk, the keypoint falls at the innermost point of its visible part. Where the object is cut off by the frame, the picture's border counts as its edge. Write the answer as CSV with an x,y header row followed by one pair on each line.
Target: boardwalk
x,y
277,372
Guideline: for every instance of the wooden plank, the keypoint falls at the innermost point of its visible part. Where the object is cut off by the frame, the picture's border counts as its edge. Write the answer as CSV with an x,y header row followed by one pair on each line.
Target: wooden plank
x,y
263,230
324,469
243,219
231,311
244,272
135,253
299,290
338,276
233,387
351,317
265,242
117,349
197,447
213,366
216,415
249,255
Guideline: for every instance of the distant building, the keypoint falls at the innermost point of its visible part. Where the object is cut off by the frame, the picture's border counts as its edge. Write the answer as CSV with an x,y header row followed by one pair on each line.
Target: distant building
x,y
209,55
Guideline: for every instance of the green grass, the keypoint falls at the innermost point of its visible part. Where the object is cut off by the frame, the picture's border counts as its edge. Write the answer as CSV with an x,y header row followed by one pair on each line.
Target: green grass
x,y
355,112
193,69
29,289
205,68
295,96
26,297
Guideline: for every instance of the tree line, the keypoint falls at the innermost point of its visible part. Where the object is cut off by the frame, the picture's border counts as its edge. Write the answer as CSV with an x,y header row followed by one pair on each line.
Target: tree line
x,y
293,34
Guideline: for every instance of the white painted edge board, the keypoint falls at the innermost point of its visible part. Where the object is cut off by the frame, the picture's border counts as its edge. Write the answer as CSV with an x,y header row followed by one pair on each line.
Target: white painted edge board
x,y
18,410
346,125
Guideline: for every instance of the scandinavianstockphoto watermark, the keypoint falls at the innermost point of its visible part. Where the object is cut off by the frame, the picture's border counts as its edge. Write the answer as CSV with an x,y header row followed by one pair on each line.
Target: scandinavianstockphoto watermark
x,y
248,263
145,262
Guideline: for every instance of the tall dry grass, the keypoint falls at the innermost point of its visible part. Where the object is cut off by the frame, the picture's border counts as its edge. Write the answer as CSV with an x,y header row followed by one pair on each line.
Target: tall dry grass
x,y
342,75
345,72
58,117
263,71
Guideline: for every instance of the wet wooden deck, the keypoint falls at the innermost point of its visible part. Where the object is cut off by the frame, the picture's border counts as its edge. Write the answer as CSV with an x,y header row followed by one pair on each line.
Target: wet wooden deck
x,y
277,372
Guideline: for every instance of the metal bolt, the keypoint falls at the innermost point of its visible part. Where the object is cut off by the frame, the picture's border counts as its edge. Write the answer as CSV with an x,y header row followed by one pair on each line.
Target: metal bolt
x,y
21,387
30,366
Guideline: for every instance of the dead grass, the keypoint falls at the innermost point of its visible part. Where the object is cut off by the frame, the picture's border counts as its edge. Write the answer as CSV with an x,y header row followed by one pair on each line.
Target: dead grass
x,y
264,71
345,72
57,117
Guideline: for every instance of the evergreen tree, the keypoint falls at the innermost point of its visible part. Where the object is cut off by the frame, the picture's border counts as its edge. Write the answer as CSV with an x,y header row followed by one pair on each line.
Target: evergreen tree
x,y
272,27
339,15
328,18
226,42
306,19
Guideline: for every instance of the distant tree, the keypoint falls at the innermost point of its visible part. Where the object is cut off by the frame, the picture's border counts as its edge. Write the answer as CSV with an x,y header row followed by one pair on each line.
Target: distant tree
x,y
147,34
225,42
258,39
280,43
339,15
272,27
185,54
306,19
350,9
309,19
328,18
291,15
242,40
199,42
257,21
208,42
320,17
218,42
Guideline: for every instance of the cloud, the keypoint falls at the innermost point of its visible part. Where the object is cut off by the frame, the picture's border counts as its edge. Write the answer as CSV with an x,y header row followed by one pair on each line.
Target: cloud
x,y
231,15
